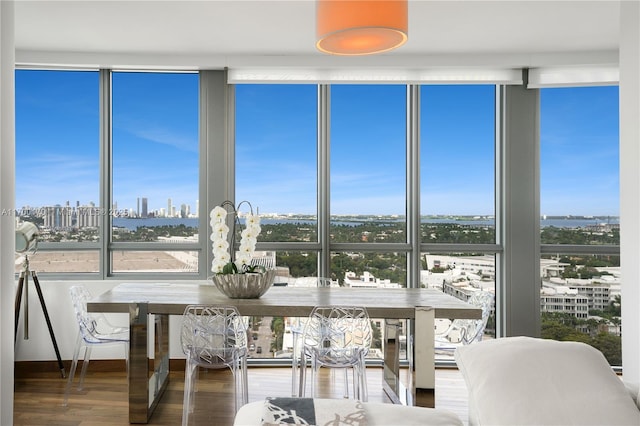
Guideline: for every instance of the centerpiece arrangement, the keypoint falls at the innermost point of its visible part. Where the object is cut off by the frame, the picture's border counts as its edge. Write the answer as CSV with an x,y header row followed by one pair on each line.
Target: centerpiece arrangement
x,y
233,273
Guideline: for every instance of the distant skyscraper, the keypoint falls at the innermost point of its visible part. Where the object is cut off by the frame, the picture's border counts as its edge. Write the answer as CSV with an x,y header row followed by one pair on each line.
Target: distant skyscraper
x,y
169,207
144,207
88,216
57,217
138,207
183,211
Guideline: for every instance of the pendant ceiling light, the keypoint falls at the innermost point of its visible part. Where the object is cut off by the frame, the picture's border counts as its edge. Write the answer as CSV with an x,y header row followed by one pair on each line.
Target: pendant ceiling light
x,y
360,27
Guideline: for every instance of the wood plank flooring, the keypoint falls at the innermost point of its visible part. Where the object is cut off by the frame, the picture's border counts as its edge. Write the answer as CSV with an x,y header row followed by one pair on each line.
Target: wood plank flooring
x,y
103,401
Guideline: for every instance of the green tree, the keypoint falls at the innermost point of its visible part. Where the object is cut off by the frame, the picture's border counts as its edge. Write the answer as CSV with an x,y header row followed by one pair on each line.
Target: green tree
x,y
562,327
277,328
610,346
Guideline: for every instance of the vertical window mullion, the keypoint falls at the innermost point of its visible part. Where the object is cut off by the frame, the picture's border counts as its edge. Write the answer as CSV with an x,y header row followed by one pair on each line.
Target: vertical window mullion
x,y
500,190
324,182
413,185
105,172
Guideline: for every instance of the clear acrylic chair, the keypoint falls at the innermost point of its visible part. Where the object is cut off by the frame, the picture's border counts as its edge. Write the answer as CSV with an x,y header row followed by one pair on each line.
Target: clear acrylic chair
x,y
337,337
213,337
93,329
466,331
297,329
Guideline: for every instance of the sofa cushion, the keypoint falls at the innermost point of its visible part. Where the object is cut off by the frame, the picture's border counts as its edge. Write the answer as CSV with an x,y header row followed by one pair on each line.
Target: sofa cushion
x,y
529,381
310,411
376,414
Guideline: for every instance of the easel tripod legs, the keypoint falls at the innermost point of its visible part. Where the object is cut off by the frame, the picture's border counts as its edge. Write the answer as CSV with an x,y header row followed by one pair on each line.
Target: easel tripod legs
x,y
23,282
17,304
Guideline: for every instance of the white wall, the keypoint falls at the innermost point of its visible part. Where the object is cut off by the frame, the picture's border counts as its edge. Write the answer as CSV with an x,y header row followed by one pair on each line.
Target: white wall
x,y
630,186
56,295
7,197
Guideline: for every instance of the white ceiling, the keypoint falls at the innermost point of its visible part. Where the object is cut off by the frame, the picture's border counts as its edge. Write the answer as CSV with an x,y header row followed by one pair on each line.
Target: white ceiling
x,y
240,33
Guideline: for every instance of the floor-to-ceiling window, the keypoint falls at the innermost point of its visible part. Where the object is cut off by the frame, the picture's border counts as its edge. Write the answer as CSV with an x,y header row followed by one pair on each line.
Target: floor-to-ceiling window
x,y
155,173
280,168
580,228
125,146
363,185
107,167
58,167
368,164
276,171
276,158
368,188
458,198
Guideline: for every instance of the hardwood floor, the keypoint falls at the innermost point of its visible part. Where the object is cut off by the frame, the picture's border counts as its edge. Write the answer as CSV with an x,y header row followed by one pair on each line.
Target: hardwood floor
x,y
39,394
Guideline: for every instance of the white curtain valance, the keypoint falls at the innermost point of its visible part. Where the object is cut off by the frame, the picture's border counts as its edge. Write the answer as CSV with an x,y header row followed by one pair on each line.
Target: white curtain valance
x,y
374,76
573,76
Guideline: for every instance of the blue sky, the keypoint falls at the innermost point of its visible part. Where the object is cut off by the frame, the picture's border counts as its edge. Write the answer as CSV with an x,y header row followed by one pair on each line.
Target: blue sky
x,y
155,139
579,151
155,152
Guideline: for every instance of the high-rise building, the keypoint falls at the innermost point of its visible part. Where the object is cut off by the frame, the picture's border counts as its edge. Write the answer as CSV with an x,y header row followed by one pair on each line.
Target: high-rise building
x,y
87,216
169,209
57,217
144,207
138,207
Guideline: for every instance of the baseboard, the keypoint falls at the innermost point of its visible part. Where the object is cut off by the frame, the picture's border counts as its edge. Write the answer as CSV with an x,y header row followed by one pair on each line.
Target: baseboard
x,y
26,369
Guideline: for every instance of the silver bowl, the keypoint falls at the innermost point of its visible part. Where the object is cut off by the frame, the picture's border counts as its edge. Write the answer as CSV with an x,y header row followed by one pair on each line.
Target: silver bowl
x,y
244,286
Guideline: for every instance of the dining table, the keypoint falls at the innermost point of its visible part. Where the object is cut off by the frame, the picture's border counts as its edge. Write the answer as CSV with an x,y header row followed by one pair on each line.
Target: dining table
x,y
149,306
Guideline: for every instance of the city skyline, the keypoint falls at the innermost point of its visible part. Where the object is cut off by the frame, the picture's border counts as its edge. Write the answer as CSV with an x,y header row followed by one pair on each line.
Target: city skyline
x,y
156,148
115,209
193,213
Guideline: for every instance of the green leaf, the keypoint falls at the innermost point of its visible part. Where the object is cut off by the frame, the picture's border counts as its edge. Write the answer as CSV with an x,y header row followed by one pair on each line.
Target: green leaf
x,y
230,268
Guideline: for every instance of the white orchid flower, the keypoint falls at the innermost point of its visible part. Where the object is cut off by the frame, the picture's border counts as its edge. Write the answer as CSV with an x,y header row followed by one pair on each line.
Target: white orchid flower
x,y
217,266
218,214
220,245
248,234
242,261
222,254
247,247
252,220
220,229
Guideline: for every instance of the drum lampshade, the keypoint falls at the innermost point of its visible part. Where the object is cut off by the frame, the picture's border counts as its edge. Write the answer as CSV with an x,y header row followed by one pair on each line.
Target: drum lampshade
x,y
360,27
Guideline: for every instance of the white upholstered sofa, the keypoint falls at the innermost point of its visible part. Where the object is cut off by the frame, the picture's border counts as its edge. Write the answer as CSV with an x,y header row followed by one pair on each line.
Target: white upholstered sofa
x,y
530,381
511,381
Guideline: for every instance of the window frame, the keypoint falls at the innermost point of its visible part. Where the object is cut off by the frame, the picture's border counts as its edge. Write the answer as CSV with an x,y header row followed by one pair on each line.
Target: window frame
x,y
517,112
105,246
